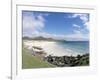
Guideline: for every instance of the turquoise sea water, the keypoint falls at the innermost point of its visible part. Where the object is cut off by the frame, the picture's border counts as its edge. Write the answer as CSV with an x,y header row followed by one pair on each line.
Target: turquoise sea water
x,y
81,47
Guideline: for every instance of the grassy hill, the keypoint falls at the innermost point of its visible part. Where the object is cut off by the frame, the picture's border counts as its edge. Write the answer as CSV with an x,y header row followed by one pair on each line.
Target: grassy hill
x,y
29,61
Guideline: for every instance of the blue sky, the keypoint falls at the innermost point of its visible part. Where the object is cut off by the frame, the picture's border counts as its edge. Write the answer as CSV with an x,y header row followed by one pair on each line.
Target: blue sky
x,y
68,26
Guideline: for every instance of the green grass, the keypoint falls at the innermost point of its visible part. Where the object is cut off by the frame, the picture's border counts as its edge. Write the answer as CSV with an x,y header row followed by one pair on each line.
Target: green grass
x,y
29,61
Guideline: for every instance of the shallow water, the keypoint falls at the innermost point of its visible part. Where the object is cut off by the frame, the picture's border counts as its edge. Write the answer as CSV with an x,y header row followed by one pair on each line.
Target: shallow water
x,y
81,47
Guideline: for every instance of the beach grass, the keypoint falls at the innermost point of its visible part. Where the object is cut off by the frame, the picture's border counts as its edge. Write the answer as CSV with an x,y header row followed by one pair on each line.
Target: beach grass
x,y
29,61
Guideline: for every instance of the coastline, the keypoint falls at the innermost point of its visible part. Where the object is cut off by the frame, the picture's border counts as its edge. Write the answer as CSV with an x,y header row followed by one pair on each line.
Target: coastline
x,y
51,48
43,50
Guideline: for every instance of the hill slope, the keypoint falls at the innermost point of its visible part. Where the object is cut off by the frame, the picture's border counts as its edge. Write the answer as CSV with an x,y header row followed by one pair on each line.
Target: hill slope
x,y
29,61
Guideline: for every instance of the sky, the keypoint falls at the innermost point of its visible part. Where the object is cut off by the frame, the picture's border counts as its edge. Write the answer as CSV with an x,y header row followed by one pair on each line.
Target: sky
x,y
57,25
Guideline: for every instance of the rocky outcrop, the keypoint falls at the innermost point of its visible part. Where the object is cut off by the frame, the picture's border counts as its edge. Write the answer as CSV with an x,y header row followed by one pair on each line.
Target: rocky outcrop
x,y
63,61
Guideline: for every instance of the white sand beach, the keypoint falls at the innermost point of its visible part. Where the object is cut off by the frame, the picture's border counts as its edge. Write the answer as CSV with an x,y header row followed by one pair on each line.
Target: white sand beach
x,y
50,47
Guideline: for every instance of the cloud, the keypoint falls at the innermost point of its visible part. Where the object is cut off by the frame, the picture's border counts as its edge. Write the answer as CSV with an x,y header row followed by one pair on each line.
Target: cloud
x,y
87,26
84,17
77,36
80,32
32,23
77,31
76,26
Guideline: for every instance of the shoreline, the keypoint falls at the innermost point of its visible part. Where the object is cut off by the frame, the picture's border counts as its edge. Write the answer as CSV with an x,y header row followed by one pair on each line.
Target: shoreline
x,y
51,48
39,50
